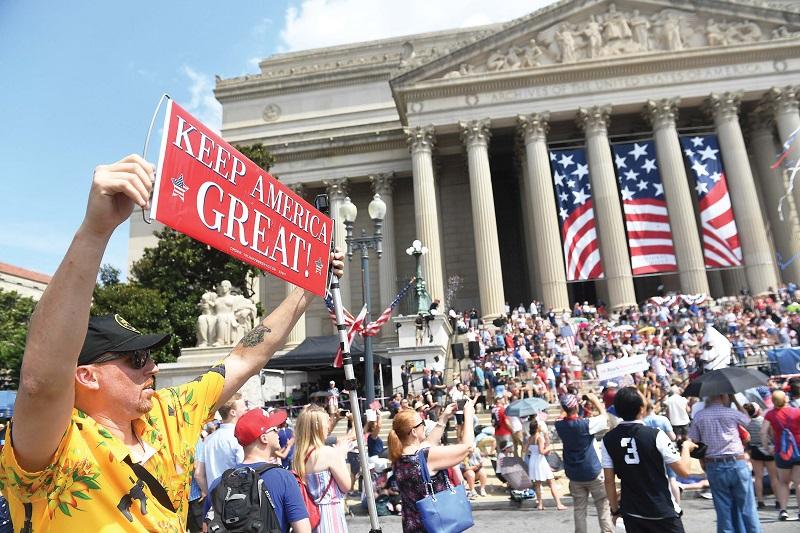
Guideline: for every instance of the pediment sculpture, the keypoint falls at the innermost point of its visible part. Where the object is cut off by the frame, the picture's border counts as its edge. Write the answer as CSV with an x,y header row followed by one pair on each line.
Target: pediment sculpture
x,y
225,316
616,33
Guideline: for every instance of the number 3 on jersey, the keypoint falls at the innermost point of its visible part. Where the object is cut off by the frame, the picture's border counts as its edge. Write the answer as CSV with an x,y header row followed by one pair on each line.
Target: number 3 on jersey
x,y
632,456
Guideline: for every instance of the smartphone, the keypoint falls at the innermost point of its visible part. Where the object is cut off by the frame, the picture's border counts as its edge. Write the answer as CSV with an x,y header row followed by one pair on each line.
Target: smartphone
x,y
460,406
343,412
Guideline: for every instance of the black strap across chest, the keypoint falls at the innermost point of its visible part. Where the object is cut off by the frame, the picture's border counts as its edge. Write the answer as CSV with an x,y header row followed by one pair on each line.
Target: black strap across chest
x,y
156,489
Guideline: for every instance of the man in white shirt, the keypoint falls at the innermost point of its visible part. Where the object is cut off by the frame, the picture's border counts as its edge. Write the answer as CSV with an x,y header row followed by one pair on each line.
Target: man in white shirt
x,y
677,411
222,450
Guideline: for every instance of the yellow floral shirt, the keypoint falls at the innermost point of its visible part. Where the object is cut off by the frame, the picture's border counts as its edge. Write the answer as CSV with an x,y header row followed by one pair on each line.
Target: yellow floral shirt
x,y
89,488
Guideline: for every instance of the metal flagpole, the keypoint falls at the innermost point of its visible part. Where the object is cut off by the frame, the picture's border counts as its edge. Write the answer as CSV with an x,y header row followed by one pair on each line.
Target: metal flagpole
x,y
351,384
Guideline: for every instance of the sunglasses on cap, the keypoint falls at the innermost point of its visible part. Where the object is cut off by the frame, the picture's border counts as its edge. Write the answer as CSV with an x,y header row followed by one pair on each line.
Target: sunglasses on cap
x,y
136,358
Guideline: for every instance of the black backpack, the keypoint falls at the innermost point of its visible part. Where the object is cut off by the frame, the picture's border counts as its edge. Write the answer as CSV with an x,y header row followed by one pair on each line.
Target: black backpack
x,y
241,503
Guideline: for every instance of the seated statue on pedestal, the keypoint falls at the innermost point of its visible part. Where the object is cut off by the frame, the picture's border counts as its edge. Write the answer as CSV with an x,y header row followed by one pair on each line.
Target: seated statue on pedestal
x,y
225,317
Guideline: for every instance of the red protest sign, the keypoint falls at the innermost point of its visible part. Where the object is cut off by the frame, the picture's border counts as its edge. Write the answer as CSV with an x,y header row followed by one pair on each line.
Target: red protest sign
x,y
206,189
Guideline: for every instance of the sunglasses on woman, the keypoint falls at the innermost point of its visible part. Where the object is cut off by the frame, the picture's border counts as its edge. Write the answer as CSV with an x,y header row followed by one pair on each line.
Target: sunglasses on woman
x,y
136,358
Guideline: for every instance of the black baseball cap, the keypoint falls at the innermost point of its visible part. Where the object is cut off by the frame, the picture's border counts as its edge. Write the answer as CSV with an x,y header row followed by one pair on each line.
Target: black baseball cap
x,y
112,333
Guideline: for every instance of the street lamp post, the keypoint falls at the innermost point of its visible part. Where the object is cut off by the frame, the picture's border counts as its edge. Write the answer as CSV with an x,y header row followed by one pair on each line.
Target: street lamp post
x,y
349,212
417,250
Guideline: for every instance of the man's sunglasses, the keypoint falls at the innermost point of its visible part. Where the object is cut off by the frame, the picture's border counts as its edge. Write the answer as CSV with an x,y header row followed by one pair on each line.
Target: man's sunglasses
x,y
137,358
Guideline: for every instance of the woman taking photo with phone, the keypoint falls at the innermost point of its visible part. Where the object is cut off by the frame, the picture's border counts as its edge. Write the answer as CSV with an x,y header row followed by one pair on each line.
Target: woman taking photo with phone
x,y
406,439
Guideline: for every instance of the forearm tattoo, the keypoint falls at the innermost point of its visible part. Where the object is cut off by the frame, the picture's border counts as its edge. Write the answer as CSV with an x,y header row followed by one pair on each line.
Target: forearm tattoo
x,y
255,336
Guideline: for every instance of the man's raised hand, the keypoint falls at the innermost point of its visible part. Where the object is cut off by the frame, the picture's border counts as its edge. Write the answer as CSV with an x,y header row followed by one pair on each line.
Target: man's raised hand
x,y
337,263
116,188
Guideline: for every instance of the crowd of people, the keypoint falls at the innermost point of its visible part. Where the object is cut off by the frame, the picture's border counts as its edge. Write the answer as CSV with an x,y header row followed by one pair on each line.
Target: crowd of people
x,y
92,443
533,353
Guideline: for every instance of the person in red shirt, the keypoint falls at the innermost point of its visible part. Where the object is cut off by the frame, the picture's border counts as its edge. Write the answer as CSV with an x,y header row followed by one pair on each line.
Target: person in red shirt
x,y
783,416
502,426
609,392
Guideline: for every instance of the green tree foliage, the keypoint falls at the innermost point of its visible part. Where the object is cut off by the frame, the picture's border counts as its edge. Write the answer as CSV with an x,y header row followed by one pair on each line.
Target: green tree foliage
x,y
109,275
15,313
258,154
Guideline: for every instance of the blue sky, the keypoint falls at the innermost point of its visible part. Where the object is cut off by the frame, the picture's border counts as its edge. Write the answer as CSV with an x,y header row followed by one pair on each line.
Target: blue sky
x,y
81,79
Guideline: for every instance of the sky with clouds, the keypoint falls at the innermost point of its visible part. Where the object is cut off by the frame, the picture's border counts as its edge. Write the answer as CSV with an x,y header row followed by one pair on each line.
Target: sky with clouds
x,y
81,80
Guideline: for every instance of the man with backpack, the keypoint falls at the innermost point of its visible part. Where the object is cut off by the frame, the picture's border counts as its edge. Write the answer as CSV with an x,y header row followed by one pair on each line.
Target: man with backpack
x,y
783,428
258,489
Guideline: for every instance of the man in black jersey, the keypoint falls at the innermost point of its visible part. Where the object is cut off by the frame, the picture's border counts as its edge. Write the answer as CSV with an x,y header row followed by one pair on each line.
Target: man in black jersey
x,y
639,456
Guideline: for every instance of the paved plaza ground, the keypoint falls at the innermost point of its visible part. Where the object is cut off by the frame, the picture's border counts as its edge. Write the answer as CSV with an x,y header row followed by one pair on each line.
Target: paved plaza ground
x,y
699,517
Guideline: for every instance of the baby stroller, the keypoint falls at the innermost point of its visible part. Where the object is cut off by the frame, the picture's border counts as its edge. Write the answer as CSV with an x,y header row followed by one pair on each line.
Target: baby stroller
x,y
387,496
514,473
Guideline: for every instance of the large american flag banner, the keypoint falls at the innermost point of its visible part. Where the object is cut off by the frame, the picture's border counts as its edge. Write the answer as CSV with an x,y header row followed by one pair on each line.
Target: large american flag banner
x,y
576,214
721,247
645,208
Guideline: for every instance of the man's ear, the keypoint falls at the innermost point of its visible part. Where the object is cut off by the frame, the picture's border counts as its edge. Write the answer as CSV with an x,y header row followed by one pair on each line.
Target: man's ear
x,y
86,376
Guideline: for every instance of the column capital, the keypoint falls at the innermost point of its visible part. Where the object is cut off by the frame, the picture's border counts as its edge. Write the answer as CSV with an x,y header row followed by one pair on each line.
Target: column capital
x,y
661,113
761,120
783,100
382,183
298,188
420,138
723,106
475,131
594,119
337,187
534,127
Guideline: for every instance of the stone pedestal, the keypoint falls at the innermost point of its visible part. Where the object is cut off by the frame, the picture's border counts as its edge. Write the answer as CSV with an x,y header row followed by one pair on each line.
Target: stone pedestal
x,y
407,350
270,385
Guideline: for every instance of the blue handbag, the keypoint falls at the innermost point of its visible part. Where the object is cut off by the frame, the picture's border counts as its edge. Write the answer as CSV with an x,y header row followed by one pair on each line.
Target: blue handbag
x,y
447,511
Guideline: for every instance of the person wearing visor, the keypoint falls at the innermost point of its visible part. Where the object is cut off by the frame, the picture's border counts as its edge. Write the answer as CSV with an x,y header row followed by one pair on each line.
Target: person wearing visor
x,y
92,445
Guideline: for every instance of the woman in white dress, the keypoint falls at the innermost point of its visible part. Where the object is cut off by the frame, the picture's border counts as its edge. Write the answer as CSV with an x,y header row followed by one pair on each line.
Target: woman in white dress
x,y
537,448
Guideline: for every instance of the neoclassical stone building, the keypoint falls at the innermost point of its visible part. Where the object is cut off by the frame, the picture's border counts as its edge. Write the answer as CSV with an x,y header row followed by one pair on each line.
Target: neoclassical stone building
x,y
454,129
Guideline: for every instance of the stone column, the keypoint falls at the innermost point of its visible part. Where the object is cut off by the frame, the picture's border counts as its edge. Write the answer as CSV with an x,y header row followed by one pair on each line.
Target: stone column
x,y
420,141
610,229
544,220
383,184
475,135
784,105
758,261
715,284
763,148
298,333
521,166
337,191
685,237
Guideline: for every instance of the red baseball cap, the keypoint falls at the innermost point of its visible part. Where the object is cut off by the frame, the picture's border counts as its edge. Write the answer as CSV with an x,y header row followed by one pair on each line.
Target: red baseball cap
x,y
255,423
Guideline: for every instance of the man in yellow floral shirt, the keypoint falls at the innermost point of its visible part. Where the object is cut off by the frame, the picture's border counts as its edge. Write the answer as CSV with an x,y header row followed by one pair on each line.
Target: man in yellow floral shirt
x,y
92,447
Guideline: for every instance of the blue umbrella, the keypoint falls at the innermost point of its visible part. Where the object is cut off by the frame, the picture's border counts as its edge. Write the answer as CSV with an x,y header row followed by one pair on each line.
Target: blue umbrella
x,y
526,407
